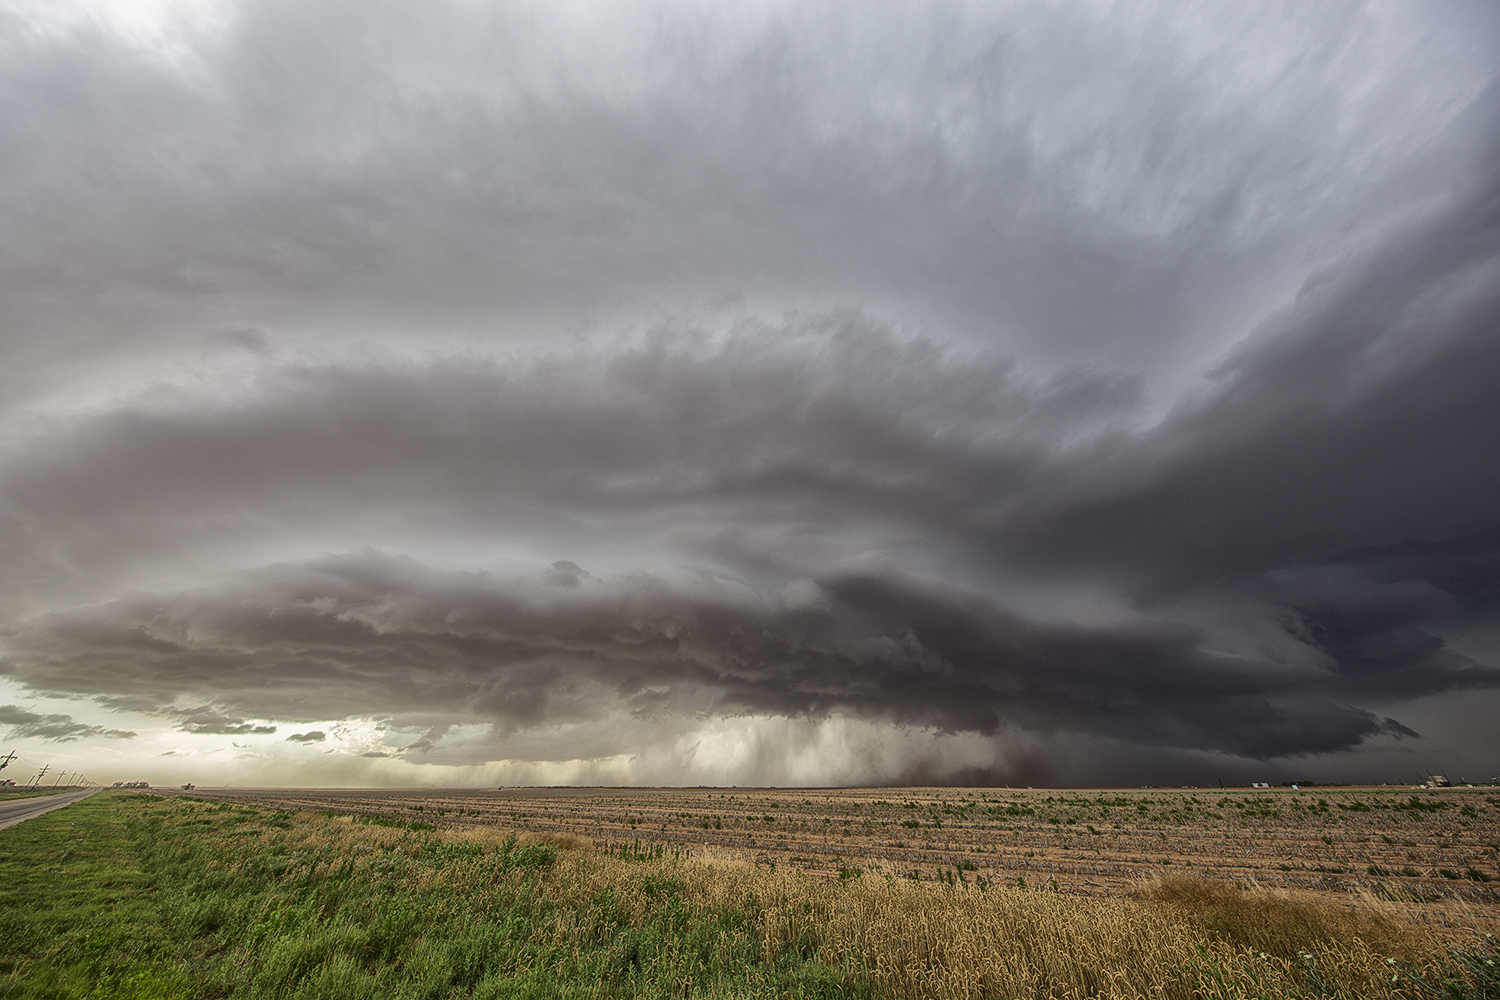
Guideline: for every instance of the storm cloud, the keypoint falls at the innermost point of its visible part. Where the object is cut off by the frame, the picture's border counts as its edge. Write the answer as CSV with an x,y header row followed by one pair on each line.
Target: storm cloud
x,y
53,728
554,385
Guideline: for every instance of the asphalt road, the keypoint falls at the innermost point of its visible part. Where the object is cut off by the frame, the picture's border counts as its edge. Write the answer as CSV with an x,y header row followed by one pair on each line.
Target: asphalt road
x,y
12,813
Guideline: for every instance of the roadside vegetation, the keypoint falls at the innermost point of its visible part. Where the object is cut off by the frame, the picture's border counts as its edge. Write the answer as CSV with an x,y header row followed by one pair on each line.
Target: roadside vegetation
x,y
131,895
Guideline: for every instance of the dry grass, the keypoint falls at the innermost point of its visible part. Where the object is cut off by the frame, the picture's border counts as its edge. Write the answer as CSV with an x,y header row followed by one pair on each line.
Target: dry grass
x,y
1283,924
910,939
1437,850
1173,938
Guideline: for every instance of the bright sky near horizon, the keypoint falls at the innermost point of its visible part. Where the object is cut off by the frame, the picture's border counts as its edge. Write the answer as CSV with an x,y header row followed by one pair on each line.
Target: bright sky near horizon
x,y
773,393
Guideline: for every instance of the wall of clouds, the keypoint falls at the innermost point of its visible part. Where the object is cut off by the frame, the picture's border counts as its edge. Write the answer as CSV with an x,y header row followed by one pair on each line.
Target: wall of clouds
x,y
1026,390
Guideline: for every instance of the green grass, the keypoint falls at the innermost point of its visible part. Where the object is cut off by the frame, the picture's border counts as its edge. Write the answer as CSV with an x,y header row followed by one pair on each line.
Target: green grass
x,y
76,912
127,896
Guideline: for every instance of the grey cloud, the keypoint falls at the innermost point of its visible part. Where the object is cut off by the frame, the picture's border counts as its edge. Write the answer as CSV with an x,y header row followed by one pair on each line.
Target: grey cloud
x,y
794,425
207,721
1348,430
489,285
315,736
1322,438
54,728
564,573
819,436
368,634
443,164
779,454
427,743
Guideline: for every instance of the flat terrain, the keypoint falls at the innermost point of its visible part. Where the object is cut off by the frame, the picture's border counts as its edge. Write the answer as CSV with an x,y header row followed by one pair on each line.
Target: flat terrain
x,y
132,894
1401,842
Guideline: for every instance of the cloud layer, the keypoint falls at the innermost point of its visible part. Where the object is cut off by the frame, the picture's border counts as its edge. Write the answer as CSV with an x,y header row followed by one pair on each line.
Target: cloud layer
x,y
1047,378
369,634
53,728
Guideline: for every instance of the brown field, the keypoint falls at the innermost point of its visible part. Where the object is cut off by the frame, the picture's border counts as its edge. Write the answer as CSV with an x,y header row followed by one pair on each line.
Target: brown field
x,y
1429,849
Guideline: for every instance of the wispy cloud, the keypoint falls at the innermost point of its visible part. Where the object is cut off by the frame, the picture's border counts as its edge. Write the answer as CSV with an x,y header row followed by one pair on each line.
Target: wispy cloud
x,y
54,728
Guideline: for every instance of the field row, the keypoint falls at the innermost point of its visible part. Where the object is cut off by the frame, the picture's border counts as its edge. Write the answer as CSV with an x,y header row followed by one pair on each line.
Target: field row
x,y
1417,845
145,896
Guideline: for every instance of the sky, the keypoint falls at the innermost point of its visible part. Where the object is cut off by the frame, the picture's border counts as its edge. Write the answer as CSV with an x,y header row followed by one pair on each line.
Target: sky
x,y
657,392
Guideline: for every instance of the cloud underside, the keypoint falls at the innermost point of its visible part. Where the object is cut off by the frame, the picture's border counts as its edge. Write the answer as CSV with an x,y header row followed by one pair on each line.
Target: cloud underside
x,y
369,634
53,728
205,721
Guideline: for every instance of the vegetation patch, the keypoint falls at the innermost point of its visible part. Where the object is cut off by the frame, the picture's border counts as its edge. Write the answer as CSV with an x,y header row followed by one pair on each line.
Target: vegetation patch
x,y
126,895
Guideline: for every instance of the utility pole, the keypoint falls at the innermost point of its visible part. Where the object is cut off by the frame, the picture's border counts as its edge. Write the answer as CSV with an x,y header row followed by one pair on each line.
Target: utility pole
x,y
7,759
37,781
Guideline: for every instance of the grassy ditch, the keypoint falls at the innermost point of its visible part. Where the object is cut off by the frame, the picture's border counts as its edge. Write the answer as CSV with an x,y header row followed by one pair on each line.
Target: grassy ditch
x,y
128,895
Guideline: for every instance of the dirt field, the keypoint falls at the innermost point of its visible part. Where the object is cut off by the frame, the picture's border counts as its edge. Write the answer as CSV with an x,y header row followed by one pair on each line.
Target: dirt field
x,y
1395,842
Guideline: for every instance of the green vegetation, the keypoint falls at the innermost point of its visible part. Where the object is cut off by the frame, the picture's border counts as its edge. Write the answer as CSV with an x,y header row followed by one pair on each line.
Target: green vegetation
x,y
129,895
134,896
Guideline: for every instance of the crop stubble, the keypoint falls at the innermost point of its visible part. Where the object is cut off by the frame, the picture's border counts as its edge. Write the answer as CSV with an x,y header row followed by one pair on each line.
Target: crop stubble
x,y
1417,845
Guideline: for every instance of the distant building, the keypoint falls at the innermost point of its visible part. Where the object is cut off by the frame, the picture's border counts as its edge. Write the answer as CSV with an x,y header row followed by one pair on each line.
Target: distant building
x,y
1438,781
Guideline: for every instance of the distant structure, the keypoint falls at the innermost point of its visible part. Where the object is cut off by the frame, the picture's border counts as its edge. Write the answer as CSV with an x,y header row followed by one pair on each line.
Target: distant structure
x,y
1260,784
188,787
1438,781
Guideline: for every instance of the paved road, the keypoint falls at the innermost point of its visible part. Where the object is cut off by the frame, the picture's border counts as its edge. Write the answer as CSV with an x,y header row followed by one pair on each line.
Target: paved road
x,y
12,813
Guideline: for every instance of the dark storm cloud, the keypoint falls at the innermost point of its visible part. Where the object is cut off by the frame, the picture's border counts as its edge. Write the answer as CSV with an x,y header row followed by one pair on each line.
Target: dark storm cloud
x,y
1313,520
315,736
491,282
776,449
829,421
1358,424
206,721
368,634
54,728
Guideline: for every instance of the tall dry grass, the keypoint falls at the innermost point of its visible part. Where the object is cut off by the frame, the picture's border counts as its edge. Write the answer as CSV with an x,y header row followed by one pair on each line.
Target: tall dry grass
x,y
1175,938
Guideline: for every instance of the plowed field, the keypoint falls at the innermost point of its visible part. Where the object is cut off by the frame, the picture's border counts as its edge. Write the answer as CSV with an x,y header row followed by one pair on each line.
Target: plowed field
x,y
1405,843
